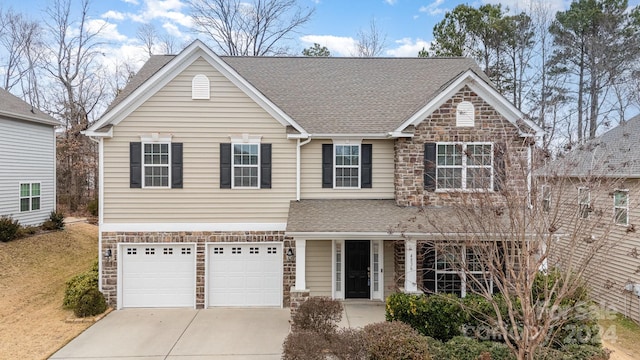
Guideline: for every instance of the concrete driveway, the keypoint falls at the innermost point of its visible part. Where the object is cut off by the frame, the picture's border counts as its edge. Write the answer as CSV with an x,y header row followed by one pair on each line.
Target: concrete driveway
x,y
216,333
150,334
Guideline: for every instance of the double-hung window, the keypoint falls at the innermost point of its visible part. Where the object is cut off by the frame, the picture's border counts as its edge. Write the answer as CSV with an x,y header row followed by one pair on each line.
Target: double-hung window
x,y
466,166
246,165
29,197
455,269
584,202
621,207
156,164
347,166
545,193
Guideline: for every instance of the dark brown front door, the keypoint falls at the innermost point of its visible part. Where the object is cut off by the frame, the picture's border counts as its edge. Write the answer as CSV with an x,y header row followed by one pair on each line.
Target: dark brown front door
x,y
357,269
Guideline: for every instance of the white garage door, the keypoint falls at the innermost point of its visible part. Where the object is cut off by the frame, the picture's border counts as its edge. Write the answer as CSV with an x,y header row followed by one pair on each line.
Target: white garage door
x,y
158,275
247,274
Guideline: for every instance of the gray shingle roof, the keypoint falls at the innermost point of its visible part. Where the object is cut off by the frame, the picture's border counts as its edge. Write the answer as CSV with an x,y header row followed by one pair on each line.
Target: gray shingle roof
x,y
337,95
613,154
13,107
328,95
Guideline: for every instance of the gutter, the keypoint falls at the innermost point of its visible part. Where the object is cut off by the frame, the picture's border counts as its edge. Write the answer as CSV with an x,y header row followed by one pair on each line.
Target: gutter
x,y
299,145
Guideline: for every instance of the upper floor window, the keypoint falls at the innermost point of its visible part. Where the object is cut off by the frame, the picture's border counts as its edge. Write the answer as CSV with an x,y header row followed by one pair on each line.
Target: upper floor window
x,y
156,164
621,207
246,169
347,166
584,202
29,197
545,194
464,166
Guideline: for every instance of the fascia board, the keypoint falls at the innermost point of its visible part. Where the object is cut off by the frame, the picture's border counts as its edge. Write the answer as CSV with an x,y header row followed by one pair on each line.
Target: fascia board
x,y
34,119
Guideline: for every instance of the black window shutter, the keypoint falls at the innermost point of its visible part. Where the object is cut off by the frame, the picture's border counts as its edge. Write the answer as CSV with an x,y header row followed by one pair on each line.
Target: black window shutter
x,y
225,166
327,165
265,166
430,166
367,159
499,171
176,165
135,165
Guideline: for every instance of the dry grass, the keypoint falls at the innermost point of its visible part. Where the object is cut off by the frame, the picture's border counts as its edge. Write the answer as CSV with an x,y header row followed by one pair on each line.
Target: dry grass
x,y
622,336
33,272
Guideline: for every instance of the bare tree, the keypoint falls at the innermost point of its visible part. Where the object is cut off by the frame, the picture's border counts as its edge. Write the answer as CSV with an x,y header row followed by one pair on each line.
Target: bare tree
x,y
535,249
19,38
148,35
242,28
78,91
169,44
371,42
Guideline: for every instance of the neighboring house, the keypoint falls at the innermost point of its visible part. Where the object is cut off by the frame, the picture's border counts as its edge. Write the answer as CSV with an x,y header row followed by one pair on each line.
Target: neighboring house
x,y
598,183
27,161
258,181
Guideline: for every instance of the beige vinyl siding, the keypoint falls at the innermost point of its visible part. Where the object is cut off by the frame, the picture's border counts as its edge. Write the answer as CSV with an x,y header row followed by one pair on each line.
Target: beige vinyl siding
x,y
388,268
318,271
612,268
201,125
383,173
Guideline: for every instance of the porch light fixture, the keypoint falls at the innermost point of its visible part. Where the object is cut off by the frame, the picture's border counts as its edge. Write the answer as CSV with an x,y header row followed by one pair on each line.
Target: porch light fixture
x,y
289,254
107,254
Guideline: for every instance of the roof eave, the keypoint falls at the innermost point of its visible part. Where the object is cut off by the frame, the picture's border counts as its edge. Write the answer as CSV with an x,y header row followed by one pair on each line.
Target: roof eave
x,y
13,115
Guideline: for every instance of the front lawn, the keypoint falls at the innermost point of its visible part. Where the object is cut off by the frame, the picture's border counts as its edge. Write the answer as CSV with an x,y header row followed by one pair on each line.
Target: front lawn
x,y
33,272
622,336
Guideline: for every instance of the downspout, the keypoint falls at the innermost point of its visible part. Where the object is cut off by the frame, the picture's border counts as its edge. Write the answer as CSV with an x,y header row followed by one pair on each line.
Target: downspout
x,y
300,144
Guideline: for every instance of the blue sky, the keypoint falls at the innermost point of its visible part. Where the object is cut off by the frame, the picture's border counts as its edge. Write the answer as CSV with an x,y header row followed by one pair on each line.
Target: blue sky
x,y
407,24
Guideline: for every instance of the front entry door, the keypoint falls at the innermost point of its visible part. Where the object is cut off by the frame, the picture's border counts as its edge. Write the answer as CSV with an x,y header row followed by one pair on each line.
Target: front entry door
x,y
357,269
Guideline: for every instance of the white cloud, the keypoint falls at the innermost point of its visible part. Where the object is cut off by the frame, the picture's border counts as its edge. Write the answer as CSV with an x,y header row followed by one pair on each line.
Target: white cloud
x,y
113,15
433,8
108,31
337,45
134,2
391,2
174,31
407,47
516,6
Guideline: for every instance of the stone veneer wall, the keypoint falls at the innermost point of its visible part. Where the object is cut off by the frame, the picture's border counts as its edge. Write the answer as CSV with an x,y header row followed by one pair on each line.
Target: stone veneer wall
x,y
110,240
490,126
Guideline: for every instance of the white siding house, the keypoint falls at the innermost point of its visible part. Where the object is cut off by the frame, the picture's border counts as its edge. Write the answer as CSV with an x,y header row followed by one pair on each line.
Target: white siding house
x,y
27,161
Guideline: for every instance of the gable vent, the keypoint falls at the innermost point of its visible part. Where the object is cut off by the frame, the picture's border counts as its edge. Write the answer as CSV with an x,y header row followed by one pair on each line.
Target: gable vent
x,y
465,114
200,87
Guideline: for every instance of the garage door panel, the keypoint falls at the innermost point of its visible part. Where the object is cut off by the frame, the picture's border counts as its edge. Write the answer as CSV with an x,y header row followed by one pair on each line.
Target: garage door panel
x,y
158,275
245,275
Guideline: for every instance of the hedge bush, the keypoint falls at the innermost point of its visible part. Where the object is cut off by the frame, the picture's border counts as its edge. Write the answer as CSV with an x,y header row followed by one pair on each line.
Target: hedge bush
x,y
78,285
318,314
9,229
395,340
90,303
93,207
438,316
55,222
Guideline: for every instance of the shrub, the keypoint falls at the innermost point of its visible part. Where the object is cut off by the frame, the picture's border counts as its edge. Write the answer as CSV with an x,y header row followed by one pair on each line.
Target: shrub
x,y
55,222
9,229
304,345
90,303
318,314
573,352
92,207
349,344
438,316
27,231
464,348
395,340
78,286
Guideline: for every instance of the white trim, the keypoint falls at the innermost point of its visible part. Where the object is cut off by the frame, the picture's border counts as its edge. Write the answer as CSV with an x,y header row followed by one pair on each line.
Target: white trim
x,y
162,77
245,139
30,197
299,145
615,207
465,167
465,114
257,166
200,87
379,294
101,181
167,165
301,265
345,143
15,116
173,227
410,266
55,171
155,138
485,91
381,235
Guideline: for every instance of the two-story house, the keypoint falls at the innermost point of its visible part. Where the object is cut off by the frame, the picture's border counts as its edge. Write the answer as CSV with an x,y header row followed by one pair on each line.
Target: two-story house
x,y
254,181
27,161
593,192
